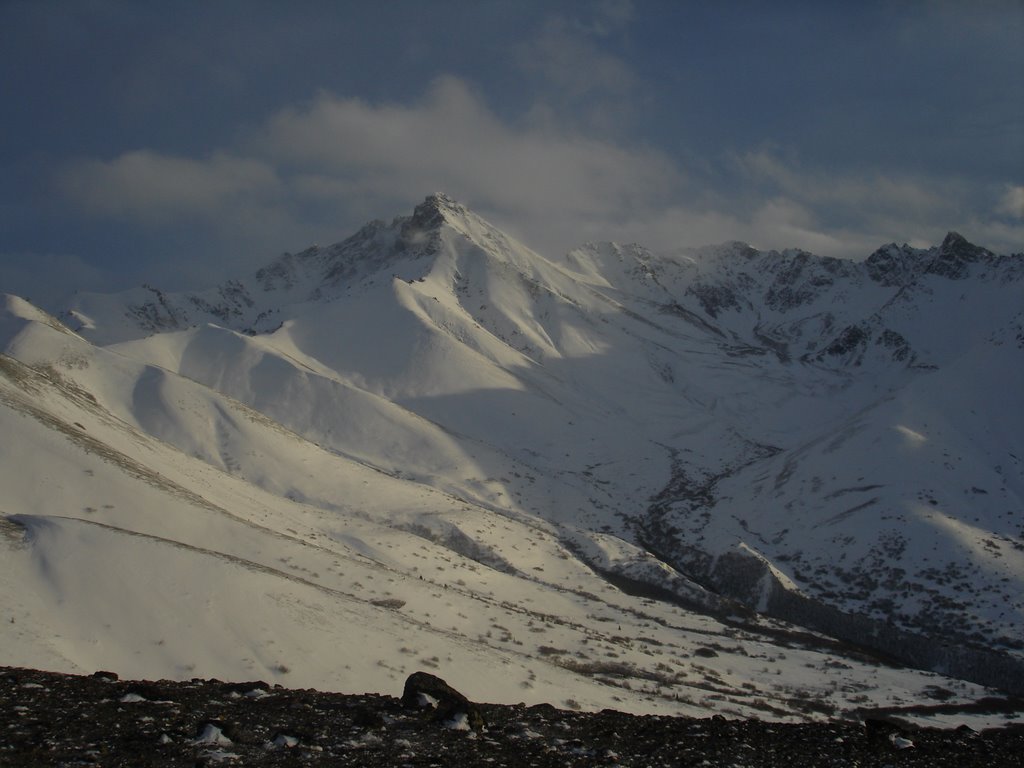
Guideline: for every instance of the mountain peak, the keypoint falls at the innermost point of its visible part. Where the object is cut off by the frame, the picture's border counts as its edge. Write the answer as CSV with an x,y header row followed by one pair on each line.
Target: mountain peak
x,y
956,244
954,256
434,210
442,200
954,241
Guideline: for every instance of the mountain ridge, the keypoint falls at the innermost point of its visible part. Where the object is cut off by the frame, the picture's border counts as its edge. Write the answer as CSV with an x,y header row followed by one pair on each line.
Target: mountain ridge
x,y
796,279
822,441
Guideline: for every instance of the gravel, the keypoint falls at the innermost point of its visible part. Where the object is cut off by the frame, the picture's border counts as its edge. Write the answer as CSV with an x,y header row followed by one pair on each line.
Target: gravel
x,y
50,719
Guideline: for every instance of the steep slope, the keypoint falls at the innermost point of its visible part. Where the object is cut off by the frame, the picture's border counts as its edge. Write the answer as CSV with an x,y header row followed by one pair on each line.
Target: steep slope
x,y
765,424
124,552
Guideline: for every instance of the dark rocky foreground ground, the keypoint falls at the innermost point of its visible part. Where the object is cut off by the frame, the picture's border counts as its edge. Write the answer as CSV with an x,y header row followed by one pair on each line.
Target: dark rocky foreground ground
x,y
49,719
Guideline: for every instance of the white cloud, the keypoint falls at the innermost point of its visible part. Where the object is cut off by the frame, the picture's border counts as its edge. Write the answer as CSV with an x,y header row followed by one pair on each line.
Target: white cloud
x,y
315,172
864,191
610,15
451,140
570,62
338,161
849,213
576,78
148,184
1012,202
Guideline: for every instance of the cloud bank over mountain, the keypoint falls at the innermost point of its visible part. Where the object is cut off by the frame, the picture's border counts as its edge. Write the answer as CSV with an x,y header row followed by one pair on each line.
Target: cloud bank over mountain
x,y
190,144
559,185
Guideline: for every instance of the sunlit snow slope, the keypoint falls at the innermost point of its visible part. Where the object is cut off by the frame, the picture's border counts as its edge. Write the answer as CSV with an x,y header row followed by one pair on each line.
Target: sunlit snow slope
x,y
832,443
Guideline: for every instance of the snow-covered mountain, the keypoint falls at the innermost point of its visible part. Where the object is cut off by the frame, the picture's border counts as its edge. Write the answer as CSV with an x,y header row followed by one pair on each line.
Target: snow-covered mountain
x,y
430,442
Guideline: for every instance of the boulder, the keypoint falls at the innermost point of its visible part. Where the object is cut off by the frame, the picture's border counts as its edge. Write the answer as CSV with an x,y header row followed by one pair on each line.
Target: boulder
x,y
426,691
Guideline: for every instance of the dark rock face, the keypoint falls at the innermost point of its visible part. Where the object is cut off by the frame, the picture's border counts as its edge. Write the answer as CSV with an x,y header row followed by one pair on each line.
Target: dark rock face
x,y
424,690
52,719
159,313
714,299
420,232
423,684
955,256
851,339
430,213
893,265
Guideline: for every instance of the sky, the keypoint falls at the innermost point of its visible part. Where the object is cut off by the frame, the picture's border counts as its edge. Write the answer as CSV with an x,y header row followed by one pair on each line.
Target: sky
x,y
183,143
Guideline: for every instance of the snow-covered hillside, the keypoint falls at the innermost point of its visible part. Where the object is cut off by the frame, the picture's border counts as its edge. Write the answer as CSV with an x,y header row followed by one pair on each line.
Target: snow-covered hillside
x,y
429,444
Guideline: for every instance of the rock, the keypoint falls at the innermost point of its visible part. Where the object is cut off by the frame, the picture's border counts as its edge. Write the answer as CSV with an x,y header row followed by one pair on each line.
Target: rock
x,y
899,742
246,688
72,720
423,689
880,728
365,717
